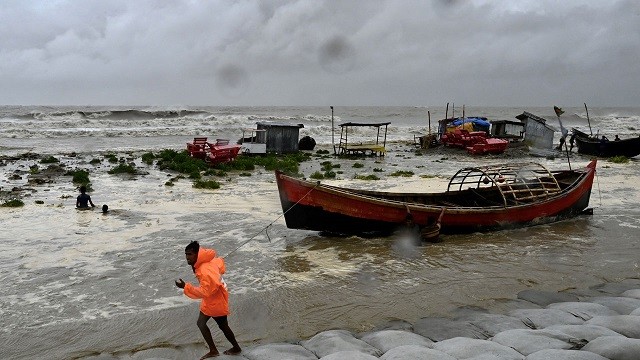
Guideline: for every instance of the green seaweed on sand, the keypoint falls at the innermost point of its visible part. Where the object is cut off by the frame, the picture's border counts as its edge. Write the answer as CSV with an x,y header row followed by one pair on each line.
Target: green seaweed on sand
x,y
619,159
123,168
112,158
206,184
215,172
287,163
365,177
320,175
317,175
13,203
49,160
403,173
80,177
148,158
181,162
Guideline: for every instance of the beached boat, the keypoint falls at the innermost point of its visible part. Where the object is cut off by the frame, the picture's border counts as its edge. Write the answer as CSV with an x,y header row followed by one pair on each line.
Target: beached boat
x,y
591,145
477,199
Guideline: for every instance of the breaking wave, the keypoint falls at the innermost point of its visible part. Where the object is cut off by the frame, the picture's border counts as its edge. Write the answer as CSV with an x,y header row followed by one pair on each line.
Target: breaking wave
x,y
111,114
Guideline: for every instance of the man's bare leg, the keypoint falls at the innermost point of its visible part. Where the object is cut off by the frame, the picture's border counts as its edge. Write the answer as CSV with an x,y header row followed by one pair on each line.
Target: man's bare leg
x,y
223,324
206,334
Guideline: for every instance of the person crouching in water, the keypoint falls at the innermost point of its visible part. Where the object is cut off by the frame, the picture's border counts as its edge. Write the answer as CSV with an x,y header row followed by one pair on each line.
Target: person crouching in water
x,y
213,292
83,200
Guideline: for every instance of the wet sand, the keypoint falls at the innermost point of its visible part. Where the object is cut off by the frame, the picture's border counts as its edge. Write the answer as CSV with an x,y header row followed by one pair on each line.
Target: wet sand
x,y
85,283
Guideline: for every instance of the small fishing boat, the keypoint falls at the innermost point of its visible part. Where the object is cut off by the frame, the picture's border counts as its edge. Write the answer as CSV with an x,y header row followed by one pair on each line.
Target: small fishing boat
x,y
477,199
604,147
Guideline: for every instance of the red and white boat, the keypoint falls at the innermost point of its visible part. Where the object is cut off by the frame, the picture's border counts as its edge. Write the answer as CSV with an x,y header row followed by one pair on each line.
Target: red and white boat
x,y
477,199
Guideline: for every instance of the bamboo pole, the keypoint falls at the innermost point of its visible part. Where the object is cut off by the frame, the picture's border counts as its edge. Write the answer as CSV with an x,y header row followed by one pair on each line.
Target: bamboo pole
x,y
588,121
333,142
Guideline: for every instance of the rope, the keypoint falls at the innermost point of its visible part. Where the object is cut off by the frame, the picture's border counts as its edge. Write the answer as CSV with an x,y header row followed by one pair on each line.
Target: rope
x,y
271,223
598,182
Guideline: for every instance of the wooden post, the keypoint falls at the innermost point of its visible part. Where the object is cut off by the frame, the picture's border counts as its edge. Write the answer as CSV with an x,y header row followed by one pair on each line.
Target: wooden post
x,y
429,117
333,142
588,121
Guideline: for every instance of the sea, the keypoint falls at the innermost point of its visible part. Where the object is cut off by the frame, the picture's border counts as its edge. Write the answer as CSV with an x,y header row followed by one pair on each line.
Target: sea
x,y
77,284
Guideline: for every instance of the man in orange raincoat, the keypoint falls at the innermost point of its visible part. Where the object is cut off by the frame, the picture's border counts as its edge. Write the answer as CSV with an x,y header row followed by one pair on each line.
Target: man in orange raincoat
x,y
213,292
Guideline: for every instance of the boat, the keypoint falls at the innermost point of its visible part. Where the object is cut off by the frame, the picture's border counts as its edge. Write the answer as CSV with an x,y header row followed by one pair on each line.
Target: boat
x,y
213,153
592,145
477,199
221,152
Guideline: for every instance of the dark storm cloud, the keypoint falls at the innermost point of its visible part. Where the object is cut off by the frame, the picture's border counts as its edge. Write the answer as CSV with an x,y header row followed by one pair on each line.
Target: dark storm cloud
x,y
232,80
309,52
336,55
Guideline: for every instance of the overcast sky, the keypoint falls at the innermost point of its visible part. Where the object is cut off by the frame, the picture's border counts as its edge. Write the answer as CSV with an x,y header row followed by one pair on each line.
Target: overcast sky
x,y
318,52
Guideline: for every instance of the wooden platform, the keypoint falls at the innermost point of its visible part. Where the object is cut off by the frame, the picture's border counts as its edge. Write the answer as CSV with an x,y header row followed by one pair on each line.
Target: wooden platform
x,y
363,149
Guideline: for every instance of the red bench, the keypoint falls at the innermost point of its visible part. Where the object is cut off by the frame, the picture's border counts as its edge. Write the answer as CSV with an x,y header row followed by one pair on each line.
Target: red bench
x,y
198,148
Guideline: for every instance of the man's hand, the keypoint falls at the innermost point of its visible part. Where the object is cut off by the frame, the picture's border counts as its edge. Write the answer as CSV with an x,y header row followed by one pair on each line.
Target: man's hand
x,y
180,283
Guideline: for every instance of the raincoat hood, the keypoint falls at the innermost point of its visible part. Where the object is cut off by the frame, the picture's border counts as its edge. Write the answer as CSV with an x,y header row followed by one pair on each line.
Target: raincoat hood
x,y
204,256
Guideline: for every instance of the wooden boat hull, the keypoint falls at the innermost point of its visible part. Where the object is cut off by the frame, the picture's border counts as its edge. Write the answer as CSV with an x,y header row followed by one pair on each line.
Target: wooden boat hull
x,y
315,206
625,147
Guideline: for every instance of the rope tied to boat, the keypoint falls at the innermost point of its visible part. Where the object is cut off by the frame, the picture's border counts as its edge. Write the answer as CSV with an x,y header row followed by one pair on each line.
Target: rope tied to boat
x,y
271,223
598,182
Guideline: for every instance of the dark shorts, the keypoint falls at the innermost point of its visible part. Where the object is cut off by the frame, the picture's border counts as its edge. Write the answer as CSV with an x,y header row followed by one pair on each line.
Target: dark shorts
x,y
220,320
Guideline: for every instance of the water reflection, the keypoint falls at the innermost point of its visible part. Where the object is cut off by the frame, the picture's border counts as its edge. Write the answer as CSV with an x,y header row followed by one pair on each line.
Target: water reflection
x,y
83,220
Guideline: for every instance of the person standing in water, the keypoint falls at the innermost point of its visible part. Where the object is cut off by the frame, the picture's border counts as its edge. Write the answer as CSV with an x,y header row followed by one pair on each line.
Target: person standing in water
x,y
213,291
83,200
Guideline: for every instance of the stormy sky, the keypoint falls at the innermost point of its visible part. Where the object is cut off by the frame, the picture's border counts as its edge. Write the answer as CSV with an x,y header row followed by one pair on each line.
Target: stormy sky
x,y
318,52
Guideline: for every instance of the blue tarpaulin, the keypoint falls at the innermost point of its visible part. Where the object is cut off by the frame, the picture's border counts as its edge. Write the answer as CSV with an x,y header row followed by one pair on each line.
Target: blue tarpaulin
x,y
477,121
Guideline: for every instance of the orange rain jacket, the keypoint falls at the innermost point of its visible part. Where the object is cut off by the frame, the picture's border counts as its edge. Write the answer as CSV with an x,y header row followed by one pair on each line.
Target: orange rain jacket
x,y
212,289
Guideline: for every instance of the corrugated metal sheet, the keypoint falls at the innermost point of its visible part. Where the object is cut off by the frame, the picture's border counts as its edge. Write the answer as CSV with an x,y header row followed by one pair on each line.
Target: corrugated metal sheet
x,y
536,131
281,138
